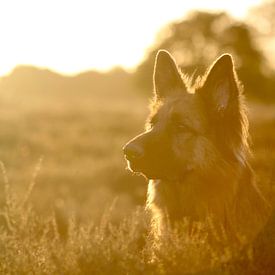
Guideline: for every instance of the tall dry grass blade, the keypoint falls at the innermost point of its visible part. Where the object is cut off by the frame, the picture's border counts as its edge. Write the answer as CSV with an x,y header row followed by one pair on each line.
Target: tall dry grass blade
x,y
33,181
106,217
6,213
7,193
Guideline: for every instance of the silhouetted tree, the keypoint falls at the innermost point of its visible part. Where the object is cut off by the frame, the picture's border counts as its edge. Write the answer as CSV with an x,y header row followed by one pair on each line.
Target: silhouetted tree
x,y
262,17
197,40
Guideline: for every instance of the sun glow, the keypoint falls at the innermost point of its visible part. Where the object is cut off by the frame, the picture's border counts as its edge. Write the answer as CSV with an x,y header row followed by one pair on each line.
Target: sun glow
x,y
75,35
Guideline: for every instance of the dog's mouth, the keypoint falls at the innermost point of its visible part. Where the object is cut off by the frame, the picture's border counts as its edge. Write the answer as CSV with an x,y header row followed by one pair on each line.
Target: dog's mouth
x,y
151,173
139,169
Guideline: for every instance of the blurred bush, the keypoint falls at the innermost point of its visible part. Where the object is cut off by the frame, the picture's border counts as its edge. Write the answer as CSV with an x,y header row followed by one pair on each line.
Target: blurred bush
x,y
200,38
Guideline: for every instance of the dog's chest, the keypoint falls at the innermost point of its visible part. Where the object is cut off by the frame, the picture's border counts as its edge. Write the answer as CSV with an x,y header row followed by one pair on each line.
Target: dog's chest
x,y
177,200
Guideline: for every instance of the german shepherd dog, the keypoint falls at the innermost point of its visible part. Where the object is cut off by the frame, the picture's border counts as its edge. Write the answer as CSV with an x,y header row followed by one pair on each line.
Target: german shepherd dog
x,y
195,151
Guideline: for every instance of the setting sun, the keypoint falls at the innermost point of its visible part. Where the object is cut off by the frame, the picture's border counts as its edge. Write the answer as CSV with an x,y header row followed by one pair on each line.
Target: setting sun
x,y
73,36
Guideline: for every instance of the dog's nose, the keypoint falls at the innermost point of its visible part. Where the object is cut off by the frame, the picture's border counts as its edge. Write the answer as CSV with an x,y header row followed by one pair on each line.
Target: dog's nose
x,y
133,151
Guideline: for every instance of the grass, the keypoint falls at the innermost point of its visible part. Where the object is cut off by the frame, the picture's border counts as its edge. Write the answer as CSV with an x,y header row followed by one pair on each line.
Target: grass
x,y
31,244
80,138
67,204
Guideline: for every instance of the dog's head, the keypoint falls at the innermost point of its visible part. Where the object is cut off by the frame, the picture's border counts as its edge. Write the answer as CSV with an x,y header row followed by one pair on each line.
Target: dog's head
x,y
189,127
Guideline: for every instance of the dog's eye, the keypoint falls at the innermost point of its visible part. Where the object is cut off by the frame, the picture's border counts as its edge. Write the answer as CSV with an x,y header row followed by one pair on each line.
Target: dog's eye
x,y
182,127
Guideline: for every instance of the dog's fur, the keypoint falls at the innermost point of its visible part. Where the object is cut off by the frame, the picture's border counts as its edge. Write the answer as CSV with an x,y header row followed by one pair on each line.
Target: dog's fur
x,y
195,151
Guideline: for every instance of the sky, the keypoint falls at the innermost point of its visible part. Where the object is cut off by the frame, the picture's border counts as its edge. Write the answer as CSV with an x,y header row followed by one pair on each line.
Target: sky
x,y
70,36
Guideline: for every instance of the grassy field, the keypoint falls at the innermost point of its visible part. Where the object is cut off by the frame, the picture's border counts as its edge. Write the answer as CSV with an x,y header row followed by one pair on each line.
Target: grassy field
x,y
79,137
68,205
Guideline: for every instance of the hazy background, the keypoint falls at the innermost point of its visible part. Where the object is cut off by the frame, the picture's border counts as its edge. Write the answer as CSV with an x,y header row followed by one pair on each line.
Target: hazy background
x,y
76,82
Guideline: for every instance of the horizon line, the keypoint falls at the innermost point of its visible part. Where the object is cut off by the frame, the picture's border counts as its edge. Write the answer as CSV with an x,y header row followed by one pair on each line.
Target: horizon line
x,y
72,74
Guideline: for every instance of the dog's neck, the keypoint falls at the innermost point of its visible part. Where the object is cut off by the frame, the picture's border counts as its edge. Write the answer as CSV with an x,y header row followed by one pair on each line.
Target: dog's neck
x,y
198,194
222,194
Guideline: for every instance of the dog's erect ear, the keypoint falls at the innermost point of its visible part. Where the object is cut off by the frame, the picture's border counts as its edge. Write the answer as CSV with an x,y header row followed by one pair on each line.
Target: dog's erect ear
x,y
220,89
224,108
167,79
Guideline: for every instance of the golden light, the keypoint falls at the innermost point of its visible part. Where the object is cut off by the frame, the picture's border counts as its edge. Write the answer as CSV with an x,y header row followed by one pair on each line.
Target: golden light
x,y
72,36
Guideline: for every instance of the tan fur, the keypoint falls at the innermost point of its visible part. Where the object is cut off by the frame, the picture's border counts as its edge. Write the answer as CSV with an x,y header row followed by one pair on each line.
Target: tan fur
x,y
199,169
